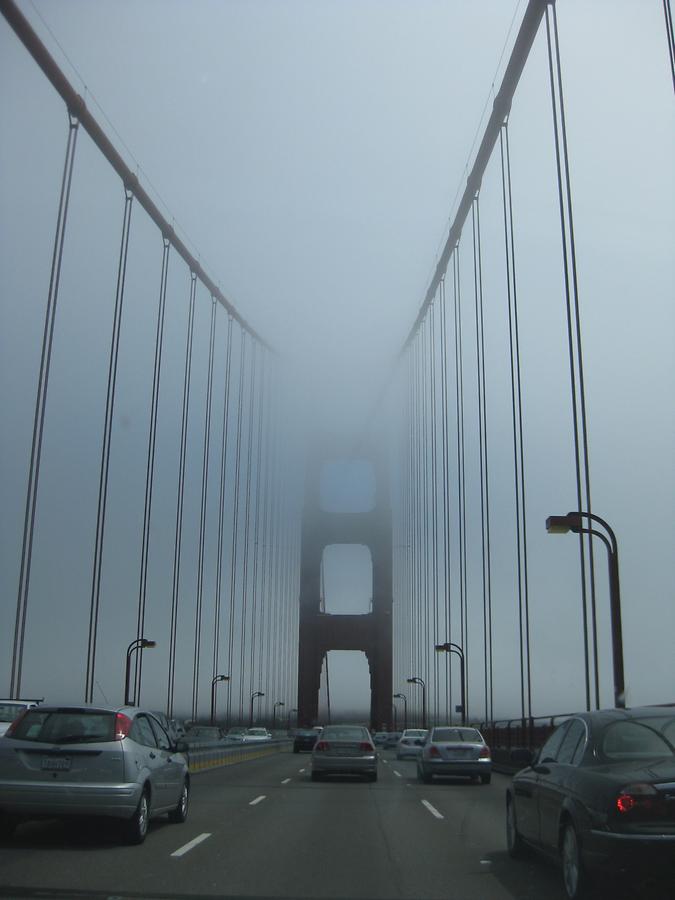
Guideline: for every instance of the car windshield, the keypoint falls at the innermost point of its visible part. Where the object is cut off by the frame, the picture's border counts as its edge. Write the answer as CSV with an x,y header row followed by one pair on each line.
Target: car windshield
x,y
450,735
9,711
638,739
65,727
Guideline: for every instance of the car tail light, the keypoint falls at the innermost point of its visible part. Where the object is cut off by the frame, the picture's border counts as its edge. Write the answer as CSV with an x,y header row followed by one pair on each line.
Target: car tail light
x,y
15,724
321,745
640,796
484,753
122,726
366,745
434,751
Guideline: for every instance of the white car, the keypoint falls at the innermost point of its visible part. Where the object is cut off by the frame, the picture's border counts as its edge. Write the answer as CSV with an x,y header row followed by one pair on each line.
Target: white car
x,y
12,709
410,744
256,735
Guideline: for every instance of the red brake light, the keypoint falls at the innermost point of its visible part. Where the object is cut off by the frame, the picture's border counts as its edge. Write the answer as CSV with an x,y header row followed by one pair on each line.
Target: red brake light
x,y
122,726
641,795
366,745
15,724
484,752
321,745
434,751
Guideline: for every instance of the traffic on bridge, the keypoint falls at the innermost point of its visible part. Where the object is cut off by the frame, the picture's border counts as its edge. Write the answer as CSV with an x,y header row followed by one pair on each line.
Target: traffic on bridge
x,y
337,450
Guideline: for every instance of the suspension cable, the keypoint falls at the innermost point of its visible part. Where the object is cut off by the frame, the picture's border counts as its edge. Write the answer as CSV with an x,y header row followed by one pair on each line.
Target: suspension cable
x,y
178,532
256,523
39,417
671,37
434,510
90,676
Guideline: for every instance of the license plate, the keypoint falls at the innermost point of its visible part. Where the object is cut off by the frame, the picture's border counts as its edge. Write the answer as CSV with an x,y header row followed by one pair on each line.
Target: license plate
x,y
56,763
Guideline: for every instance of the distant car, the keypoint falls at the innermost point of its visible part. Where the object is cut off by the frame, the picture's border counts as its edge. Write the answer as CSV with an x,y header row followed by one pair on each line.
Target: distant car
x,y
11,709
235,735
304,739
256,735
380,738
451,750
600,794
392,739
91,761
410,743
344,750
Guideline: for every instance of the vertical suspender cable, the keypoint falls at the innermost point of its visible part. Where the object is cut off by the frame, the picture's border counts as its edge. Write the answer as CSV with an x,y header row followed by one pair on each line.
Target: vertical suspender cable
x,y
178,532
247,526
434,508
484,468
39,417
150,465
446,488
221,502
235,528
582,468
263,548
256,525
202,517
425,504
105,451
671,37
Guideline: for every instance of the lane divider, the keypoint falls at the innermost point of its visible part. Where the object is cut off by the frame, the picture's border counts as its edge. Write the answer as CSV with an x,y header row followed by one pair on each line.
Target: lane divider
x,y
258,800
432,809
190,844
211,756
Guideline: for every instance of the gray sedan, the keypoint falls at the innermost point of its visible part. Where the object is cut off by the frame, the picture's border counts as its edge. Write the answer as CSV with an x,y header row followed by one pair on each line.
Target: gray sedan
x,y
91,761
344,750
455,751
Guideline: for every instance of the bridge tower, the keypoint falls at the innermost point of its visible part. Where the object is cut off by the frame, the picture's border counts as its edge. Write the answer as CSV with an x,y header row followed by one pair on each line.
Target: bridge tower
x,y
370,632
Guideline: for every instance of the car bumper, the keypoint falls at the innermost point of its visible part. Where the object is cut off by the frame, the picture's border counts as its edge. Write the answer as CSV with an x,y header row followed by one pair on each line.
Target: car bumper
x,y
626,851
460,768
344,765
45,798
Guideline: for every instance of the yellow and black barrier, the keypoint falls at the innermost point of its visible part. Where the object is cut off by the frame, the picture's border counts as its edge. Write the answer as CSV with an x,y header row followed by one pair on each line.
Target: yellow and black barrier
x,y
211,756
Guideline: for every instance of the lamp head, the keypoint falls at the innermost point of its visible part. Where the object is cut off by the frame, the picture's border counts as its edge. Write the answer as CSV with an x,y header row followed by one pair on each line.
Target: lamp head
x,y
563,524
146,643
442,648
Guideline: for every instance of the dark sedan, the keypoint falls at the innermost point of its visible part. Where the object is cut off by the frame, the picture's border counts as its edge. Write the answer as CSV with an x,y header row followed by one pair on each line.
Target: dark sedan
x,y
600,794
304,739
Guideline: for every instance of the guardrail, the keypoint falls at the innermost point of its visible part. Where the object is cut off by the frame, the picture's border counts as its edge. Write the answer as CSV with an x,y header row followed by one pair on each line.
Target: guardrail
x,y
210,756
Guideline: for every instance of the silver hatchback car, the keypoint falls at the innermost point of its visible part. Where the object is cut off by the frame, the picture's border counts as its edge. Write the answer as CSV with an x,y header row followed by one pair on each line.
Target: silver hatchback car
x,y
450,750
91,761
344,750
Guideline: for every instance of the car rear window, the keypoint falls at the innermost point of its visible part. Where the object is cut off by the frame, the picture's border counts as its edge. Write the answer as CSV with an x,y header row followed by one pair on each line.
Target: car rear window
x,y
345,734
637,740
469,735
65,726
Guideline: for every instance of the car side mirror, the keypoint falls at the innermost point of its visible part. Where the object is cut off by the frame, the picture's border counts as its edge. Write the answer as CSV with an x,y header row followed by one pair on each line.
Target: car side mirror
x,y
179,747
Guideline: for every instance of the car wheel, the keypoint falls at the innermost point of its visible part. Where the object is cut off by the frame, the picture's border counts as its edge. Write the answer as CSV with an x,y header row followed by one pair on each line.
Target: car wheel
x,y
372,776
8,824
514,843
136,828
179,814
315,776
575,877
485,779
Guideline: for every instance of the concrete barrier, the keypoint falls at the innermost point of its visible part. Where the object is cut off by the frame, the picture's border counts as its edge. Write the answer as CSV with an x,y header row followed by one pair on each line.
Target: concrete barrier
x,y
211,756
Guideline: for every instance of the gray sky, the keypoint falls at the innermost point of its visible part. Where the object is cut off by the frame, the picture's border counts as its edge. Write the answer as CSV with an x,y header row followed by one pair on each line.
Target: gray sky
x,y
311,154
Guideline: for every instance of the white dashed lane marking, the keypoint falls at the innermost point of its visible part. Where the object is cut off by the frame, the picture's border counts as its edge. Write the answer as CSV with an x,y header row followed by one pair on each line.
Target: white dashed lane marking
x,y
396,773
190,844
432,809
257,800
286,780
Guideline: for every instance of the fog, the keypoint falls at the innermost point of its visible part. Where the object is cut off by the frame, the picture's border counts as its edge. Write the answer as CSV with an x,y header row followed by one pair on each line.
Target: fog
x,y
311,155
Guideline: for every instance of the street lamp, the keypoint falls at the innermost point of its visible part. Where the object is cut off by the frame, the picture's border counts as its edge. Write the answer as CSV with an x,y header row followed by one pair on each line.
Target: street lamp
x,y
138,644
253,696
405,708
214,681
449,647
416,680
573,521
274,712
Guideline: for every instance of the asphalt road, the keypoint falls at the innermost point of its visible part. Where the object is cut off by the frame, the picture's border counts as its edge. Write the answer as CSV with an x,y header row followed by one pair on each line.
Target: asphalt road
x,y
262,829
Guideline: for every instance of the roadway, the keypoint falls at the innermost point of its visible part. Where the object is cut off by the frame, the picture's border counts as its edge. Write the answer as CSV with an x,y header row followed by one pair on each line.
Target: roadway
x,y
262,829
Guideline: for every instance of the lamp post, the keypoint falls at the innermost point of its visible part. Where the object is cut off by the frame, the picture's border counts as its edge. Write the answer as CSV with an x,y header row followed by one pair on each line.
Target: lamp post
x,y
394,715
449,647
214,682
405,708
138,644
253,696
415,679
290,716
274,712
573,522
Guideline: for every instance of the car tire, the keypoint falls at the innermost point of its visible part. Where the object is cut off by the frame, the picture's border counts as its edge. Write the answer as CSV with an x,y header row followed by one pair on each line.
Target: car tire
x,y
136,828
295,750
315,776
486,779
372,776
515,845
8,824
575,878
180,813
